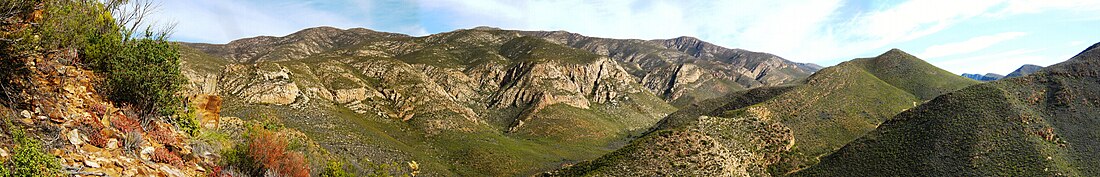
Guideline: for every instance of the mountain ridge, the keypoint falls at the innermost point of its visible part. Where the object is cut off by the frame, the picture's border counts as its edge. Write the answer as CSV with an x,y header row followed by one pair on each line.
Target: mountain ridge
x,y
776,130
1034,125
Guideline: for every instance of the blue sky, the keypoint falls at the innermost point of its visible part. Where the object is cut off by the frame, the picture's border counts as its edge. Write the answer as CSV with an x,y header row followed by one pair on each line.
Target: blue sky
x,y
969,36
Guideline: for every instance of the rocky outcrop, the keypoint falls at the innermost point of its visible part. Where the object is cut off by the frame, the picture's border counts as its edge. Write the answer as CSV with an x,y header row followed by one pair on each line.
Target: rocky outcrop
x,y
660,64
257,85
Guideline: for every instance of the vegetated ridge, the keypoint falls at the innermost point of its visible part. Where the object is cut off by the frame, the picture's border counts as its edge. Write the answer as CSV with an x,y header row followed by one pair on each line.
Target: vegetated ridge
x,y
1042,124
776,130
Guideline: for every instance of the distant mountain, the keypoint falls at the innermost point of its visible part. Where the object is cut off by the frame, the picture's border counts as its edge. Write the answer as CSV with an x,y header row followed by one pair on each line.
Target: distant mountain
x,y
1024,70
1042,124
477,102
776,130
986,77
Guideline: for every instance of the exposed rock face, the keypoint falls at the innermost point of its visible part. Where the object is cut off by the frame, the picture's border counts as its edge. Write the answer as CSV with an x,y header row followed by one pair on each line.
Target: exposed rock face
x,y
688,66
257,85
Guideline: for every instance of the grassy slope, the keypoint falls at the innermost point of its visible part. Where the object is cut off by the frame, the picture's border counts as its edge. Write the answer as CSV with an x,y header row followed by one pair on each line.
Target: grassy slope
x,y
839,104
1038,125
834,106
662,152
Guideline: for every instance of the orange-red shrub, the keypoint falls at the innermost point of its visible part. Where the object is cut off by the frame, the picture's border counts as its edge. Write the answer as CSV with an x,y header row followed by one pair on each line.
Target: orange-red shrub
x,y
294,165
125,124
163,134
269,149
266,148
162,155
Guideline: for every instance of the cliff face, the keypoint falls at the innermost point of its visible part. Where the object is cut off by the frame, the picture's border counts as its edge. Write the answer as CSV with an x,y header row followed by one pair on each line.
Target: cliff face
x,y
685,69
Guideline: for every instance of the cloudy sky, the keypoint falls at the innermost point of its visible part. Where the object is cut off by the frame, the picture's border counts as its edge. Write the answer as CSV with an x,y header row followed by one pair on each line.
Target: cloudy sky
x,y
968,36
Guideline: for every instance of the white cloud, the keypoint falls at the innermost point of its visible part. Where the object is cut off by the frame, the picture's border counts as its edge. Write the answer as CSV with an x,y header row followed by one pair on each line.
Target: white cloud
x,y
1037,6
969,45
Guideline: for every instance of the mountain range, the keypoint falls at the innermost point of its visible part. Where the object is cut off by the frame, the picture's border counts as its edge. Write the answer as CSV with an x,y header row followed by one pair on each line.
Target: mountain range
x,y
777,130
494,102
1023,70
472,102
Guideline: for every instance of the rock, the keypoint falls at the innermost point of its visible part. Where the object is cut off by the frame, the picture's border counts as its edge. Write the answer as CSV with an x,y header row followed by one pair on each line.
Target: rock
x,y
4,154
146,152
25,114
91,164
41,117
27,121
172,172
74,137
129,172
112,143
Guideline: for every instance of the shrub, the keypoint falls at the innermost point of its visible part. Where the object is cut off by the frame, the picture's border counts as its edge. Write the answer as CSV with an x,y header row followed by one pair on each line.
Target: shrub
x,y
162,155
140,70
28,159
335,169
163,134
188,122
266,148
294,165
266,151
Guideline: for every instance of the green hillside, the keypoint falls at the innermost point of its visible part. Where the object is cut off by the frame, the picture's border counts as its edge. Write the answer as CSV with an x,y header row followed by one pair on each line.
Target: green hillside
x,y
1037,125
801,123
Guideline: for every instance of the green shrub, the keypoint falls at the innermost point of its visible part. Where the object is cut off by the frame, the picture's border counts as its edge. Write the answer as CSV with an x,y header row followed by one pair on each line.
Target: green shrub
x,y
28,159
335,169
140,70
187,122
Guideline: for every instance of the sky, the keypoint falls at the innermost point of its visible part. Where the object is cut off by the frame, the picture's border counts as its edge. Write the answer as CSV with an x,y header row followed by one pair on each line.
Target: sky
x,y
961,36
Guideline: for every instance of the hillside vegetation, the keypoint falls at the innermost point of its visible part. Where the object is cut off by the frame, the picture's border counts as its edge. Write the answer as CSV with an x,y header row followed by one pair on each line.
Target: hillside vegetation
x,y
785,129
1036,125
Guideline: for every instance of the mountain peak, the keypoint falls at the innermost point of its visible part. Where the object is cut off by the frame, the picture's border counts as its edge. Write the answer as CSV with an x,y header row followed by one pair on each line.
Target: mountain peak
x,y
485,28
319,29
896,52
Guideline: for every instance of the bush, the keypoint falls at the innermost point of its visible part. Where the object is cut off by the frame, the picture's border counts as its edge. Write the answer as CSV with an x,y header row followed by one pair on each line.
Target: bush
x,y
139,70
143,72
335,169
28,159
266,151
188,122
